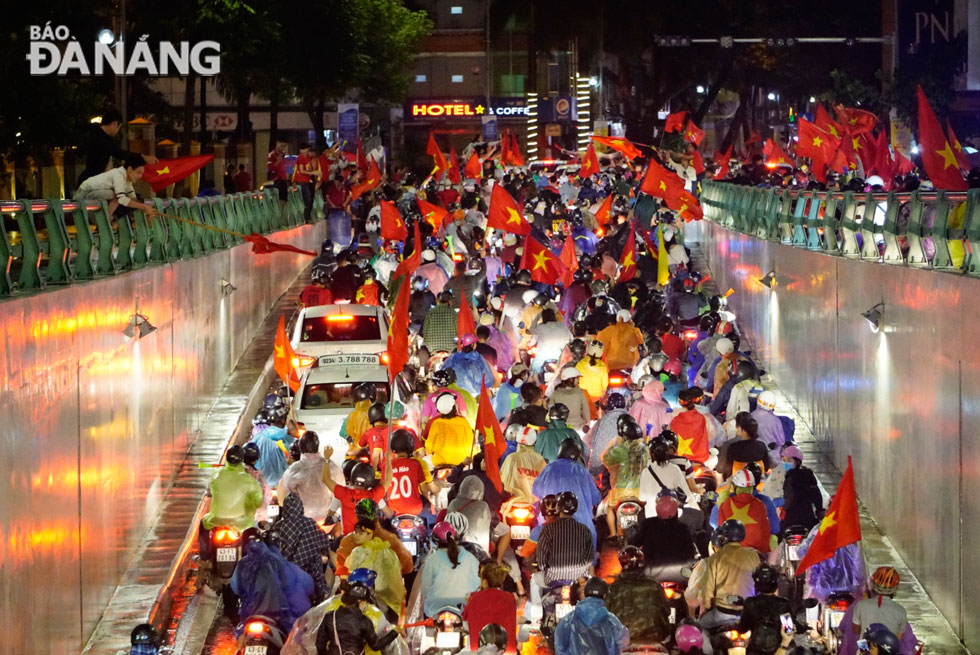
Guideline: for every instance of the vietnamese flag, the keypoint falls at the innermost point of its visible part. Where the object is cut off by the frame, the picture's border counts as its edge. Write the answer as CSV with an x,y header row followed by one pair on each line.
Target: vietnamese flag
x,y
504,149
722,159
675,122
474,169
846,150
627,270
569,259
284,360
840,526
362,162
262,246
815,143
937,153
488,427
516,158
686,206
410,264
698,162
961,158
373,181
902,165
439,160
693,134
775,155
602,214
434,215
544,266
827,124
619,144
590,165
393,228
661,183
503,213
398,328
856,121
454,174
464,320
168,171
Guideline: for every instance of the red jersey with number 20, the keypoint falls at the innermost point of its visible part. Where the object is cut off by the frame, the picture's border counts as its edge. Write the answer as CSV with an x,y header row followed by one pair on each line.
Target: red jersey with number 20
x,y
407,475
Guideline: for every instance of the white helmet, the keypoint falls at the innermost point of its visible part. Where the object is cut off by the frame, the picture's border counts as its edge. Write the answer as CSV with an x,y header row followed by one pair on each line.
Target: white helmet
x,y
595,348
527,436
459,522
624,315
875,180
767,400
445,403
513,431
496,303
743,478
528,296
428,255
724,346
510,239
487,319
570,373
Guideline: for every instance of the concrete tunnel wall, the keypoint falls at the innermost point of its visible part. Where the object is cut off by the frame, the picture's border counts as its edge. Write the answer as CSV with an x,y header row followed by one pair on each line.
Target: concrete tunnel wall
x,y
903,403
93,425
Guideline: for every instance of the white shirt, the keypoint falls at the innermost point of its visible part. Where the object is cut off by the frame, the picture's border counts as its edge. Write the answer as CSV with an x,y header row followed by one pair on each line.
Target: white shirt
x,y
673,478
891,615
113,184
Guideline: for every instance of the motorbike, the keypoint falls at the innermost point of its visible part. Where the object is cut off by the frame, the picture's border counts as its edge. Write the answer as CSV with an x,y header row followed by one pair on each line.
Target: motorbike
x,y
629,516
414,535
261,637
445,634
789,559
831,615
226,550
674,592
520,519
557,602
725,637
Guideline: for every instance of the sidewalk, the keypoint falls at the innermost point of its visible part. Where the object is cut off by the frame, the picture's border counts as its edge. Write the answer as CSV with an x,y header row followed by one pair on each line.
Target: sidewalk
x,y
928,624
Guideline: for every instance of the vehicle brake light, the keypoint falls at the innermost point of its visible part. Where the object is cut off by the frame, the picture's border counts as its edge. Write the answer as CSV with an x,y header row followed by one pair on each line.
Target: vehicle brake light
x,y
629,509
303,360
615,380
600,232
840,605
384,357
794,540
457,257
300,430
690,335
226,535
566,592
521,513
255,628
671,593
340,318
734,635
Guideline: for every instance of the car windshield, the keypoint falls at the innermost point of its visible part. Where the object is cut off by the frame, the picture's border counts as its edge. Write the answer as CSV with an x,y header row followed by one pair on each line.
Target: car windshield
x,y
341,327
337,395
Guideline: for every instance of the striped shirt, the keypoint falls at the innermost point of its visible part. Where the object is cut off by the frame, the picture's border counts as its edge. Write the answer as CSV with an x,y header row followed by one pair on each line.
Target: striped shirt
x,y
565,550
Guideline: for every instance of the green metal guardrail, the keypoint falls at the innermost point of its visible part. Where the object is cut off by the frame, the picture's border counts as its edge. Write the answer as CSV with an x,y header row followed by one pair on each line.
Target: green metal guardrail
x,y
47,243
938,230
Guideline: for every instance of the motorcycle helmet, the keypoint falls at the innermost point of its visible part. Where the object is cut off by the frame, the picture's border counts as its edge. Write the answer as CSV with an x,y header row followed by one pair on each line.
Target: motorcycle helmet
x,y
376,413
143,634
366,508
261,417
744,479
709,322
369,273
583,276
445,403
459,522
512,431
631,557
595,349
596,587
235,455
664,325
523,277
885,580
654,345
724,346
549,506
731,531
361,583
745,370
569,373
402,441
441,532
766,578
673,366
577,349
717,302
528,296
467,340
541,300
567,501
662,447
688,637
570,449
527,436
309,442
628,428
273,538
767,400
272,402
658,361
252,453
443,378
615,400
558,412
362,476
364,391
885,640
493,634
420,283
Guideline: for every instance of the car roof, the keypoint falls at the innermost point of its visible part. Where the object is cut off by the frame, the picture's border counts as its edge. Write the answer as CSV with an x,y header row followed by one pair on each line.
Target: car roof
x,y
330,310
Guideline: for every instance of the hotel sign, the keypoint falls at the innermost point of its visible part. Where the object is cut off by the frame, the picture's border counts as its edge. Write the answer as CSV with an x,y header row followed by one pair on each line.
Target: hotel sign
x,y
464,109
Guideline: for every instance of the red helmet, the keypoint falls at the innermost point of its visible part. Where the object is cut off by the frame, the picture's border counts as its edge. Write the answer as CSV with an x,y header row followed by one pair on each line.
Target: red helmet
x,y
441,533
885,580
673,366
631,557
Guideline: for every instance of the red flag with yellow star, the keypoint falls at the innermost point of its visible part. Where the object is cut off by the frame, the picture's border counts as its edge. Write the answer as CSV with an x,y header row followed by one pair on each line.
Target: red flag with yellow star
x,y
661,183
438,159
856,121
775,155
168,171
840,525
569,259
473,169
434,215
398,328
411,263
516,158
454,175
545,267
750,512
504,214
619,144
686,206
602,214
823,120
722,159
284,360
675,122
815,143
693,133
393,228
627,265
488,429
464,320
961,158
372,181
691,428
590,165
938,157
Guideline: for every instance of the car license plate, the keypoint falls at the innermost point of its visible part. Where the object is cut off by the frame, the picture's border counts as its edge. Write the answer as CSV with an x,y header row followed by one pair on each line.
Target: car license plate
x,y
562,610
520,531
447,639
346,360
227,554
412,547
673,615
273,511
792,552
836,618
256,650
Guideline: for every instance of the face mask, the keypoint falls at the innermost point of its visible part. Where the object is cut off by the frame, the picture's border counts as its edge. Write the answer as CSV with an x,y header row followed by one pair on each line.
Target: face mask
x,y
787,466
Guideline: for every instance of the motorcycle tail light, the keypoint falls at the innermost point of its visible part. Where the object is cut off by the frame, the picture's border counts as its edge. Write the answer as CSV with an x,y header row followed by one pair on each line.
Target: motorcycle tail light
x,y
566,592
300,430
628,509
794,540
840,605
406,524
733,634
255,628
385,358
521,513
671,593
615,380
690,335
226,535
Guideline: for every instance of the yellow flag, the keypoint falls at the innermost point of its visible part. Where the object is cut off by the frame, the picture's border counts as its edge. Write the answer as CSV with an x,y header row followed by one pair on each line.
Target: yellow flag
x,y
663,274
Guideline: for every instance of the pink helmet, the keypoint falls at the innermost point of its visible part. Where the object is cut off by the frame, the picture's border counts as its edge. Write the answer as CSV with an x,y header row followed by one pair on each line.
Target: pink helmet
x,y
467,339
792,451
673,366
688,637
441,533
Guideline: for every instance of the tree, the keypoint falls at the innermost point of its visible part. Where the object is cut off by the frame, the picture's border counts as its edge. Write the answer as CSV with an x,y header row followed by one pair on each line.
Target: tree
x,y
390,36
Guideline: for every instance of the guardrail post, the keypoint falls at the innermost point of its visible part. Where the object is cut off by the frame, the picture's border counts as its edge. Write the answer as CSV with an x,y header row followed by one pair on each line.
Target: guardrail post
x,y
799,218
890,231
849,246
319,207
6,257
813,222
869,226
30,276
169,234
787,199
830,224
84,243
938,231
191,244
124,236
914,233
58,244
106,240
142,239
971,233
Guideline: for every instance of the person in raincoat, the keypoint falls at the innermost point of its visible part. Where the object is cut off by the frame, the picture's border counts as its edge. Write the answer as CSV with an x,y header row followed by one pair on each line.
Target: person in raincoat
x,y
605,430
270,585
470,504
567,474
651,411
273,443
508,395
771,429
569,394
449,573
357,422
522,467
376,554
450,437
470,366
305,478
590,628
235,496
622,341
595,372
303,543
550,440
638,600
500,342
626,458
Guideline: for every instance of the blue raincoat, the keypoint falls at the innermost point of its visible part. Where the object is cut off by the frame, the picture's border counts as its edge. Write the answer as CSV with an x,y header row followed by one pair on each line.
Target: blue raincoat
x,y
272,461
269,585
567,475
591,629
470,369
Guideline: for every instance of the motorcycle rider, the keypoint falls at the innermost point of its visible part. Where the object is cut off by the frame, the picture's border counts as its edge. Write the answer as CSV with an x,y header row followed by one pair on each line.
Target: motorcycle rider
x,y
744,448
880,606
573,397
490,605
567,474
371,292
363,483
673,346
439,326
307,478
590,628
500,341
269,585
667,543
750,511
638,600
727,572
449,573
372,552
771,429
432,272
765,607
411,474
470,366
522,467
346,279
317,293
548,339
235,496
444,380
595,372
375,438
802,500
625,458
470,503
368,510
549,441
508,395
450,436
621,341
347,629
303,543
273,442
605,430
882,641
421,301
576,294
651,411
691,427
358,422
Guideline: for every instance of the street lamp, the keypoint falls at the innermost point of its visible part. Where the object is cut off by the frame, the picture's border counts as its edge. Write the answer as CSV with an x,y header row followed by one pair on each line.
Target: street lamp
x,y
771,96
700,89
106,37
769,281
813,99
593,81
873,316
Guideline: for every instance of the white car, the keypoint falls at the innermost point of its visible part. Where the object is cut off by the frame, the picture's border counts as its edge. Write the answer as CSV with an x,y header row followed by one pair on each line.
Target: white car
x,y
338,329
325,396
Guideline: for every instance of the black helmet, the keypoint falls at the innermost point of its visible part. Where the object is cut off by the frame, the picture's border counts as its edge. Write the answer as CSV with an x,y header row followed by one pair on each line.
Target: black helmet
x,y
252,453
766,579
558,412
745,370
493,634
364,391
615,400
294,451
628,428
402,441
631,557
569,449
654,345
273,537
567,502
731,531
663,445
577,348
717,302
596,587
235,455
549,505
541,300
664,325
369,273
444,377
262,417
884,639
309,442
583,275
143,634
523,276
709,322
326,246
366,508
320,274
362,475
376,413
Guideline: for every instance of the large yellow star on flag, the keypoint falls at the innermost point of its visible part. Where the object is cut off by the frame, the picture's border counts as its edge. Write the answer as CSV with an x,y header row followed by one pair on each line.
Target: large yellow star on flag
x,y
370,180
663,185
541,260
684,446
398,222
628,261
855,143
163,171
949,159
488,436
741,514
853,121
817,141
360,295
513,216
828,522
280,351
833,130
956,144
